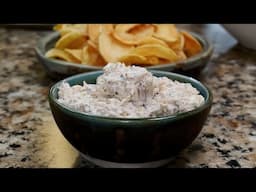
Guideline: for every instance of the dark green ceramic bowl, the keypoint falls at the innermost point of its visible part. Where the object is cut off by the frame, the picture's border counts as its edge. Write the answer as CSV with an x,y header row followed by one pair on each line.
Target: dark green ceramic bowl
x,y
144,142
61,69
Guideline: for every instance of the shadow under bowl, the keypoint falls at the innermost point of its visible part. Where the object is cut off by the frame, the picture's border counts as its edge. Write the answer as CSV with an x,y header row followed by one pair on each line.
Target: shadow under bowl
x,y
120,142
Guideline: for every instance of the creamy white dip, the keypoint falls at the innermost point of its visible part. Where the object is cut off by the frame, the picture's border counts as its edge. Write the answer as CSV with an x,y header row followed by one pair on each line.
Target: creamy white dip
x,y
130,92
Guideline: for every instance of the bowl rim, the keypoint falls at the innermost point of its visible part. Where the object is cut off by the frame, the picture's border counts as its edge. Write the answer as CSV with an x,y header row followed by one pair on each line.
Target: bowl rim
x,y
177,116
185,64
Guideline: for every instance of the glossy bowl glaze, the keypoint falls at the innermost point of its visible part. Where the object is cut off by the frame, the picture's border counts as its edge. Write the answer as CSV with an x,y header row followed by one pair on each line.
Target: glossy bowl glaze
x,y
60,69
120,142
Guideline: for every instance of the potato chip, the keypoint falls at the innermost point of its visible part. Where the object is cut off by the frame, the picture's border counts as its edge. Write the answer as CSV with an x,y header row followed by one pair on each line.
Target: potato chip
x,y
182,41
166,32
92,44
181,55
141,44
100,61
138,59
94,56
191,45
177,45
82,28
132,34
107,28
111,49
61,54
71,40
85,56
68,28
76,53
63,28
58,27
153,60
94,32
153,40
133,59
155,50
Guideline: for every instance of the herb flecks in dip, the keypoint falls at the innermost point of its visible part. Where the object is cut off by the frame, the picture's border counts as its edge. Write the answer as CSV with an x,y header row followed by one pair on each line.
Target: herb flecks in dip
x,y
130,92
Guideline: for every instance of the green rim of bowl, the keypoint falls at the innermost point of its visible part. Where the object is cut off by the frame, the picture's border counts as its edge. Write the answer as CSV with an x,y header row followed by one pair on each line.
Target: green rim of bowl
x,y
186,64
208,99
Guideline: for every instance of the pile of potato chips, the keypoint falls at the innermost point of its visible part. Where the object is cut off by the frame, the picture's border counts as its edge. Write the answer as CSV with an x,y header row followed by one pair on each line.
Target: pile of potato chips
x,y
139,44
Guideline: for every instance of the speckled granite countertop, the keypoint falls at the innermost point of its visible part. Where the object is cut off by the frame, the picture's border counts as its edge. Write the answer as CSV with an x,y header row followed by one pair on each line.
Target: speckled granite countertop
x,y
30,138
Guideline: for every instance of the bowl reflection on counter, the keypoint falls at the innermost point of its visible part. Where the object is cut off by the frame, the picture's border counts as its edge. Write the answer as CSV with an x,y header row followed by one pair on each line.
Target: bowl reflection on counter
x,y
117,142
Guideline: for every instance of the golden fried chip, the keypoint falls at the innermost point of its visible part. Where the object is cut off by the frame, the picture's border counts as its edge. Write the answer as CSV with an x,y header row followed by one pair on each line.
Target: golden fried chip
x,y
92,44
181,55
111,49
100,61
107,28
133,59
182,41
153,40
152,60
72,40
191,45
177,45
138,59
82,28
155,50
63,29
132,34
61,54
166,32
76,53
142,44
85,55
94,32
94,56
58,27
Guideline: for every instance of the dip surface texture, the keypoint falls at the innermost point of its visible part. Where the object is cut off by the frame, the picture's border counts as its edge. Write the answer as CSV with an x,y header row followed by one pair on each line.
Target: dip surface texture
x,y
130,92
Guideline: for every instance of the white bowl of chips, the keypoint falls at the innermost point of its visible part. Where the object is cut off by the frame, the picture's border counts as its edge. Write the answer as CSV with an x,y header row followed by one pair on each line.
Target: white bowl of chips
x,y
80,48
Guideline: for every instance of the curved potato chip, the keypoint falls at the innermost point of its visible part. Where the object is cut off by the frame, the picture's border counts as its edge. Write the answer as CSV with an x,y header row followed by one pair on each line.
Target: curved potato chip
x,y
166,32
81,28
182,41
71,40
153,40
142,44
58,27
111,49
85,56
61,54
163,61
155,50
177,45
132,34
76,53
94,56
94,32
67,28
133,59
100,61
152,60
63,28
181,55
107,28
191,45
92,44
